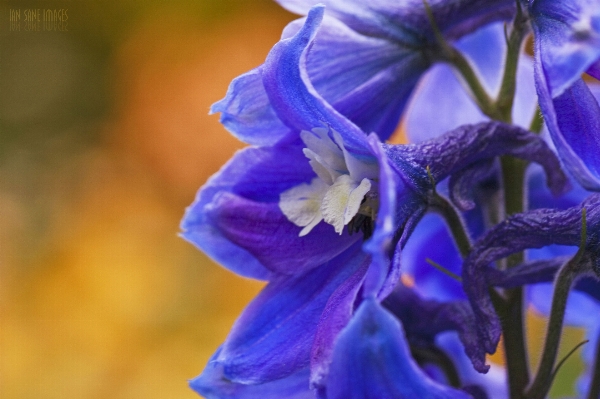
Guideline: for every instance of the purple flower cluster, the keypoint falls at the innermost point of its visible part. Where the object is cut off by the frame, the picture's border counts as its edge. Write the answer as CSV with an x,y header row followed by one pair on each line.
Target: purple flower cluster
x,y
348,230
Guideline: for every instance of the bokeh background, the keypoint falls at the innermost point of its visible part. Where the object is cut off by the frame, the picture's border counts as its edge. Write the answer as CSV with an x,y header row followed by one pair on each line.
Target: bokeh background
x,y
104,139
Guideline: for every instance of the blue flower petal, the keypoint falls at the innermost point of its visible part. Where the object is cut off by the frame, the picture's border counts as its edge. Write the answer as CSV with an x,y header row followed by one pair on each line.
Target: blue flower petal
x,y
247,113
266,233
372,360
273,337
366,79
573,119
257,174
567,35
533,229
406,22
212,384
293,96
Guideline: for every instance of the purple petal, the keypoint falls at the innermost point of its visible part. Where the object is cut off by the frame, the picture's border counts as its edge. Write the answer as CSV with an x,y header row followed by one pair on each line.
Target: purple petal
x,y
292,95
573,119
247,113
266,233
257,174
567,35
469,144
366,79
493,382
463,184
381,244
273,337
533,229
594,70
372,360
424,319
334,318
407,22
212,384
537,271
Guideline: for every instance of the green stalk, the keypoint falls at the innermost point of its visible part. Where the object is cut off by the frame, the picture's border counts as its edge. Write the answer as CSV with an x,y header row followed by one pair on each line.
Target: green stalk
x,y
458,231
562,286
505,100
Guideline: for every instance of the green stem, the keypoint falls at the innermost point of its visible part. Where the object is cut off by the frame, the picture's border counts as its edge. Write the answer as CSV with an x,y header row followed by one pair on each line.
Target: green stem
x,y
512,310
514,41
566,276
478,92
444,208
537,122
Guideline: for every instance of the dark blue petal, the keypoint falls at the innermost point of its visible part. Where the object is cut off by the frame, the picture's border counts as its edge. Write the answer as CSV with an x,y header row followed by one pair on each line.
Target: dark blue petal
x,y
567,43
567,35
266,233
335,317
212,384
372,360
424,319
273,337
293,96
381,277
247,113
469,144
533,229
366,79
257,174
573,119
406,22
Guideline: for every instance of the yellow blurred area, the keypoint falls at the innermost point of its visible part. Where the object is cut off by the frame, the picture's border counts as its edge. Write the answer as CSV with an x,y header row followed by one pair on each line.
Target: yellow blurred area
x,y
99,297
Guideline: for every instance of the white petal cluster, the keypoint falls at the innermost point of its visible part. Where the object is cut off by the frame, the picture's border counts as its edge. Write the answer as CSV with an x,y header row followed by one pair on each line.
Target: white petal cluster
x,y
336,194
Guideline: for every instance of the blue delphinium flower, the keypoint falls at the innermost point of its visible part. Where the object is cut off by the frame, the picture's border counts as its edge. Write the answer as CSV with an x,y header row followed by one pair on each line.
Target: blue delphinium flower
x,y
567,44
323,210
365,62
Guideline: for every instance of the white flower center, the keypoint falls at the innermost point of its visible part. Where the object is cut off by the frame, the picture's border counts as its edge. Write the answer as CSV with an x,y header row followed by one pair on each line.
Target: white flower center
x,y
343,188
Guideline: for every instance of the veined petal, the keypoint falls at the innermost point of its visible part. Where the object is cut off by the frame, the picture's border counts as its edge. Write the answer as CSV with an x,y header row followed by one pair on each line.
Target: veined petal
x,y
293,96
533,229
212,384
273,337
366,79
257,174
573,120
407,22
266,233
470,144
247,113
567,35
372,360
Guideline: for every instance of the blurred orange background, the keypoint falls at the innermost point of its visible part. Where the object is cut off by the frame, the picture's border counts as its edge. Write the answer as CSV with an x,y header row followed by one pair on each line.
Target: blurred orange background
x,y
105,138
